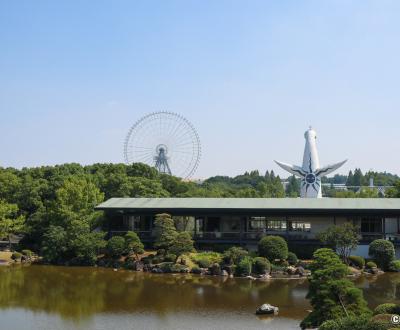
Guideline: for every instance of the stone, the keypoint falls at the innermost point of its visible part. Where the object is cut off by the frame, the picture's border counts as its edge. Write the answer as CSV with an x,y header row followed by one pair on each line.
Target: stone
x,y
267,309
300,271
291,270
250,277
138,266
265,277
224,273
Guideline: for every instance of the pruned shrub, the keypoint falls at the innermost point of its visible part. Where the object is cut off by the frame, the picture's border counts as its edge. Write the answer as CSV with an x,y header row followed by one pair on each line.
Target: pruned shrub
x,y
382,251
215,269
16,256
157,259
370,265
234,255
116,246
196,270
394,266
357,261
170,267
27,253
261,266
244,267
170,257
206,259
204,262
352,322
387,308
273,247
292,259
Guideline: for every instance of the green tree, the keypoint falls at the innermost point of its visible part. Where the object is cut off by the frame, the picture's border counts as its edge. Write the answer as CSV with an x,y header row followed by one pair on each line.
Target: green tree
x,y
54,245
293,187
133,244
10,222
394,192
183,243
331,295
342,238
383,253
165,231
273,247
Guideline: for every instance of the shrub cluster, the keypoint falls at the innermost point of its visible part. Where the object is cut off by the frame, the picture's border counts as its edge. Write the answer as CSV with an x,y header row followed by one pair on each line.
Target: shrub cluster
x,y
292,259
394,266
383,253
244,266
370,265
357,261
16,256
387,309
261,266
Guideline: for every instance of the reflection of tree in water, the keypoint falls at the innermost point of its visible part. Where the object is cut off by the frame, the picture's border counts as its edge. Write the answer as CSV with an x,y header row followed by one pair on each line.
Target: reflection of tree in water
x,y
80,292
380,289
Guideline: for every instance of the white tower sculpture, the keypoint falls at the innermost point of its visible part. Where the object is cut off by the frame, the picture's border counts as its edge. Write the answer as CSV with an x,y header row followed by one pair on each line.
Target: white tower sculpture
x,y
311,172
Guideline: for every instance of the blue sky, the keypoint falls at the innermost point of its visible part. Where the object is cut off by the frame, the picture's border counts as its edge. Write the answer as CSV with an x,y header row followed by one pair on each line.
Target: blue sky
x,y
250,75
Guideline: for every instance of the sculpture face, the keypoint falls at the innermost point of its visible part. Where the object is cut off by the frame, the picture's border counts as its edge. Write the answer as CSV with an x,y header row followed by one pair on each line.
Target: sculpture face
x,y
310,178
310,172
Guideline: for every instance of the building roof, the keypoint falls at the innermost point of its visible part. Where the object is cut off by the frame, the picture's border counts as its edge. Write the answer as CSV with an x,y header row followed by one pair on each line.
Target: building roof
x,y
248,204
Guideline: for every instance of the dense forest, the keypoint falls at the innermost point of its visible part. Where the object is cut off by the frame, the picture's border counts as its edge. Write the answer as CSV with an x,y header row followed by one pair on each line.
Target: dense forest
x,y
54,204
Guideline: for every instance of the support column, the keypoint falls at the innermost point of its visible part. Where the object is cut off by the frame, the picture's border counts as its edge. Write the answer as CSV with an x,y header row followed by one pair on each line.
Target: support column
x,y
384,227
287,228
195,227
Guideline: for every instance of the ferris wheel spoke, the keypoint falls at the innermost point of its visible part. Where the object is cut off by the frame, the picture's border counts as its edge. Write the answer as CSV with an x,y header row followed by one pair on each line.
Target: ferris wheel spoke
x,y
166,138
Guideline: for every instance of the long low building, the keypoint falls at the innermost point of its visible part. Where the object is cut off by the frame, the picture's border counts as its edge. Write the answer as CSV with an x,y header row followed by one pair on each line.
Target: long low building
x,y
245,220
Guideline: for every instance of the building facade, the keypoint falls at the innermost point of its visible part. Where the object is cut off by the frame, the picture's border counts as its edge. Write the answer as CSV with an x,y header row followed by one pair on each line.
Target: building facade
x,y
244,221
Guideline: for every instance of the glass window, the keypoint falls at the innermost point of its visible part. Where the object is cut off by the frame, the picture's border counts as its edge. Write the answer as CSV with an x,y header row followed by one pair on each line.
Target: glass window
x,y
257,223
276,225
299,226
371,225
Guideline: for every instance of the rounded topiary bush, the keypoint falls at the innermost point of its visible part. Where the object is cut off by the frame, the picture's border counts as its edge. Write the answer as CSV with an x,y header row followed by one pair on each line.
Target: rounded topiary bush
x,y
370,265
196,270
382,251
16,256
273,247
261,266
170,257
204,262
116,246
357,261
215,269
244,267
362,322
27,253
387,309
292,259
394,266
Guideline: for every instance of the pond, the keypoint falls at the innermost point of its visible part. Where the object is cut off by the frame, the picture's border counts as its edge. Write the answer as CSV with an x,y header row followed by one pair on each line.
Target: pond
x,y
53,298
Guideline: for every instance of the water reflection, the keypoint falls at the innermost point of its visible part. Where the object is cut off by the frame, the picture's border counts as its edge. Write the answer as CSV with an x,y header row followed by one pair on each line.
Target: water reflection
x,y
61,298
77,293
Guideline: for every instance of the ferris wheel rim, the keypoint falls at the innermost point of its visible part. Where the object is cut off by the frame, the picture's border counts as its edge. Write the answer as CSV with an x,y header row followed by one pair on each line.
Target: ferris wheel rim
x,y
193,164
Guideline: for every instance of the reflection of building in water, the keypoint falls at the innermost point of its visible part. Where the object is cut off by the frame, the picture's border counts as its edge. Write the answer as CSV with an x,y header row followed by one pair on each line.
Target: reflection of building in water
x,y
245,220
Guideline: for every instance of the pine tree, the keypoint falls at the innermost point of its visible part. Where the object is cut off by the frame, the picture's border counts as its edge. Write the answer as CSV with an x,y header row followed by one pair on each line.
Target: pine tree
x,y
331,294
165,231
293,187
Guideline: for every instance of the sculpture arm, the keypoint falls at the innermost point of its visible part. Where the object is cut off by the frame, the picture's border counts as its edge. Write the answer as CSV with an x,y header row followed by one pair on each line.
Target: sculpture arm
x,y
328,169
296,170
